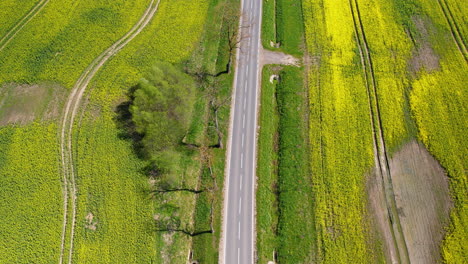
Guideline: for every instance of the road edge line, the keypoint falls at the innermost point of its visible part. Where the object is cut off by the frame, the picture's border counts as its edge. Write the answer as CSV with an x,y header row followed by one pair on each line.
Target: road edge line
x,y
222,253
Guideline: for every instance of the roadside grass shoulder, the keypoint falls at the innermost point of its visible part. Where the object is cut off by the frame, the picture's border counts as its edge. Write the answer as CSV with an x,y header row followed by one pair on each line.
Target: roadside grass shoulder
x,y
267,171
290,26
269,23
285,215
296,237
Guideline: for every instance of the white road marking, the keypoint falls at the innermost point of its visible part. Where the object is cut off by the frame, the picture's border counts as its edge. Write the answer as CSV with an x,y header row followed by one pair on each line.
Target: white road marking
x,y
238,231
240,185
242,158
238,255
245,102
240,204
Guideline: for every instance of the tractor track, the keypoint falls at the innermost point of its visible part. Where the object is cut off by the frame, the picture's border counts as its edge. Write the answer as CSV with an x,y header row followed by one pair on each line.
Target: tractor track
x,y
23,21
400,250
66,133
454,28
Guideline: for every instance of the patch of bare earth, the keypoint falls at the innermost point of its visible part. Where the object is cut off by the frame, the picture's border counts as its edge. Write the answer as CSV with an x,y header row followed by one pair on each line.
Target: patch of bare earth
x,y
422,198
276,57
379,215
23,103
424,56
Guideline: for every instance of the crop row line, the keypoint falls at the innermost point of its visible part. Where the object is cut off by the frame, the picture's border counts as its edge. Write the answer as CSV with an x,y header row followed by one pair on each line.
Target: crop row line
x,y
454,28
380,153
23,21
72,106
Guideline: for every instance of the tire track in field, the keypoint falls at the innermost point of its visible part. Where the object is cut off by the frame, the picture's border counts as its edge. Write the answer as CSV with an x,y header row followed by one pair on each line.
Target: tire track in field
x,y
454,28
23,21
66,133
399,253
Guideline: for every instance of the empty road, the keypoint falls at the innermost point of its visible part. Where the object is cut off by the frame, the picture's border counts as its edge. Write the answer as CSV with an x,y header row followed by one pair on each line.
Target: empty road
x,y
239,199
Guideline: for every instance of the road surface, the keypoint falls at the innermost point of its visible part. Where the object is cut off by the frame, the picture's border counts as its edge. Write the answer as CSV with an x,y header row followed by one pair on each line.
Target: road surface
x,y
239,200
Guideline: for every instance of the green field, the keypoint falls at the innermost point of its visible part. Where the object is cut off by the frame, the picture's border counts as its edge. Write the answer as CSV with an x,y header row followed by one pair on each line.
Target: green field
x,y
375,71
401,48
115,212
373,76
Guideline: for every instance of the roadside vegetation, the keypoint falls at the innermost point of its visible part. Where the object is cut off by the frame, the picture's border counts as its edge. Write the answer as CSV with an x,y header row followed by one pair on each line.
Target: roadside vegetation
x,y
285,212
285,215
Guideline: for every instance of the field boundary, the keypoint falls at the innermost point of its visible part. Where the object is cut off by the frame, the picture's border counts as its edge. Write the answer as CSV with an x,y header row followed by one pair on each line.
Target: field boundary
x,y
380,153
66,135
23,21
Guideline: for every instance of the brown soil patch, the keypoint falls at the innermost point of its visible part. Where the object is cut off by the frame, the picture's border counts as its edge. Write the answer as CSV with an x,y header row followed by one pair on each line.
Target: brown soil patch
x,y
424,56
23,103
423,200
275,57
380,217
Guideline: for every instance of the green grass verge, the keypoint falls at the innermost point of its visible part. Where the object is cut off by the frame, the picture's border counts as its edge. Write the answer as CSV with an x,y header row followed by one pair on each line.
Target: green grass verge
x,y
285,213
296,218
290,26
267,171
268,23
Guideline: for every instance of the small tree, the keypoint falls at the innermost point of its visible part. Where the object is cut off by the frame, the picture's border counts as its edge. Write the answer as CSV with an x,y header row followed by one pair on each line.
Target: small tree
x,y
233,33
162,107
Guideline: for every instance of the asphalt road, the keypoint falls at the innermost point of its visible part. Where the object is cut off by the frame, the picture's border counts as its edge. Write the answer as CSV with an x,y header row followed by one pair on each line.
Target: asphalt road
x,y
239,206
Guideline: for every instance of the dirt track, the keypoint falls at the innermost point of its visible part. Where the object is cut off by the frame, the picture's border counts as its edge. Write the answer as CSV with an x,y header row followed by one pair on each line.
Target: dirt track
x,y
395,242
454,28
71,108
23,21
422,198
